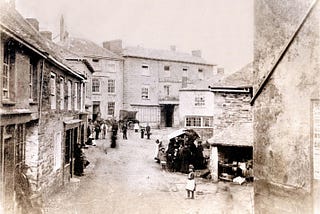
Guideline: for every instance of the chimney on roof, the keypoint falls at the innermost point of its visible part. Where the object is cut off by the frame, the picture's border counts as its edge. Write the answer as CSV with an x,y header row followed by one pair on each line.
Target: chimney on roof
x,y
173,48
34,22
220,70
46,34
196,53
113,46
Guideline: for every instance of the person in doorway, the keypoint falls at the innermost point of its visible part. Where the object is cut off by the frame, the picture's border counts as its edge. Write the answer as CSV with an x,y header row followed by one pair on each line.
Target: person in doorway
x,y
191,183
124,131
148,131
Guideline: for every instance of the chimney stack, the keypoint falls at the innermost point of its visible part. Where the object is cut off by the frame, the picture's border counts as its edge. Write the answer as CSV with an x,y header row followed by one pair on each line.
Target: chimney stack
x,y
113,46
196,53
173,48
220,70
34,22
46,34
11,3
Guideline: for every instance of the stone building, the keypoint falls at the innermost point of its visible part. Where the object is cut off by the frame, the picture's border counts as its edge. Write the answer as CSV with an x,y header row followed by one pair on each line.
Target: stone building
x,y
286,105
232,138
153,78
106,82
41,111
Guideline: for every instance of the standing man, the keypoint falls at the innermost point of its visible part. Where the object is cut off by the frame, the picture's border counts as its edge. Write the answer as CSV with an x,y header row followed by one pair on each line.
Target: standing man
x,y
97,130
148,129
124,131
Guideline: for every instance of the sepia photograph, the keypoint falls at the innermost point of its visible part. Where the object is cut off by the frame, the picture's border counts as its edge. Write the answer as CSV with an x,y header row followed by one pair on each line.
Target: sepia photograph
x,y
159,106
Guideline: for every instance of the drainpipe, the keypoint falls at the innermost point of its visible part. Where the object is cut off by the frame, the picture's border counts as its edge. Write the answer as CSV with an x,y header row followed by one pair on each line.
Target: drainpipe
x,y
40,113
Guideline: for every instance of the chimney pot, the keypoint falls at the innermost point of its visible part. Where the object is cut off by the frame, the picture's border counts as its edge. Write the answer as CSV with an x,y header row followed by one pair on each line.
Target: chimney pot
x,y
34,22
196,53
173,48
47,34
113,46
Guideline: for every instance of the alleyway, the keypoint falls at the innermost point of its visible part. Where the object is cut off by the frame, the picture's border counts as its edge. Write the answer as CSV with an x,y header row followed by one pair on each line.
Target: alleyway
x,y
127,180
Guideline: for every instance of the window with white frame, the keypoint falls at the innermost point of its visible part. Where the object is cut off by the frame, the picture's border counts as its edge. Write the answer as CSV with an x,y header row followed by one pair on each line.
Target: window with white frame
x,y
145,92
199,100
166,69
8,71
95,85
185,72
61,93
193,121
69,94
111,106
81,95
75,96
145,70
166,90
198,121
111,86
200,74
57,151
53,91
33,79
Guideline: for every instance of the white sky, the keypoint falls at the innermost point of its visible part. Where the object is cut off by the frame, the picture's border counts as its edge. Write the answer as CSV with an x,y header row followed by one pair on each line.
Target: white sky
x,y
221,29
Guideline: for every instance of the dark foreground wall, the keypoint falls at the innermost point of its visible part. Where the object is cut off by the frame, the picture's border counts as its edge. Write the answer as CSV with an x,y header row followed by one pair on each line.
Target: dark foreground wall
x,y
285,123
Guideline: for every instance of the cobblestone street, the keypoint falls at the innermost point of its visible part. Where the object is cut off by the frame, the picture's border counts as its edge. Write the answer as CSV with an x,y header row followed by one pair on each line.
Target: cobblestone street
x,y
127,180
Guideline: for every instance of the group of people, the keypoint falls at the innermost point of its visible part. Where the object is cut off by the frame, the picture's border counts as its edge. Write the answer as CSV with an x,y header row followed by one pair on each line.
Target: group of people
x,y
96,130
181,153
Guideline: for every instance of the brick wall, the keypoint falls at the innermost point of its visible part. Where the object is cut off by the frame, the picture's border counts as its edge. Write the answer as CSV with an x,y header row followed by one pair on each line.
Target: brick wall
x,y
282,112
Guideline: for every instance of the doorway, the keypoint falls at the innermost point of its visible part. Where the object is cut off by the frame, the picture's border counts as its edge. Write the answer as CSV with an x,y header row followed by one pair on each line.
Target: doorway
x,y
167,111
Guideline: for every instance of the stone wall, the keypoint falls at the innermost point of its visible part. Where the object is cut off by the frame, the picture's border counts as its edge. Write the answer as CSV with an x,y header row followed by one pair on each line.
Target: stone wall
x,y
282,112
232,119
51,122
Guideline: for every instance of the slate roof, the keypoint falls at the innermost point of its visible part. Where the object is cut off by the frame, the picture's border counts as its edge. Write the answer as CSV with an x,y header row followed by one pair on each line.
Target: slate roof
x,y
14,24
87,48
166,55
243,77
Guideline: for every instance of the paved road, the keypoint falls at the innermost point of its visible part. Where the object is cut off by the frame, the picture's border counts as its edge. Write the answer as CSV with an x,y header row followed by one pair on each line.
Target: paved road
x,y
127,180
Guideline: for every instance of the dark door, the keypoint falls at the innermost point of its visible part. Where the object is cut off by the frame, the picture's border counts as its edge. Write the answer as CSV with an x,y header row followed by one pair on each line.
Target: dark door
x,y
167,115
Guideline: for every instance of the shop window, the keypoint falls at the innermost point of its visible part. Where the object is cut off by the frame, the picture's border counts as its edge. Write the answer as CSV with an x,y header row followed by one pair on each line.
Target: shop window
x,y
198,121
193,121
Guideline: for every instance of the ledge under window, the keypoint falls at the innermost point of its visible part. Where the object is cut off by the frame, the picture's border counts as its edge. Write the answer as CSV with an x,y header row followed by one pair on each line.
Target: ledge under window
x,y
8,102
